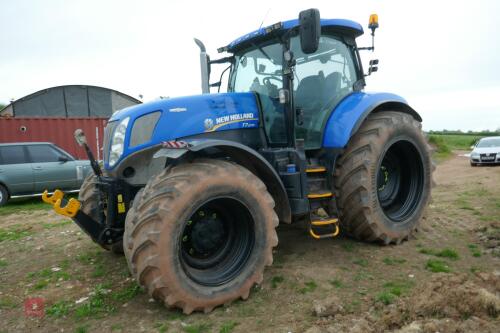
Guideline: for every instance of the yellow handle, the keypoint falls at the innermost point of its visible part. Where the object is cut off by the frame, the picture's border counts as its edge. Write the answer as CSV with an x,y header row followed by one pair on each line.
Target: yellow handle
x,y
57,195
69,210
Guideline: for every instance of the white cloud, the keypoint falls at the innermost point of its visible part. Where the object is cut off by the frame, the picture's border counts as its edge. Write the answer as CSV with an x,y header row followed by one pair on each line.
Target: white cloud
x,y
426,48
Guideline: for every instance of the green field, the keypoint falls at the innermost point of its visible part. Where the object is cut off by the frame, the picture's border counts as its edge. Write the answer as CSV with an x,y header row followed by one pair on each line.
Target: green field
x,y
444,144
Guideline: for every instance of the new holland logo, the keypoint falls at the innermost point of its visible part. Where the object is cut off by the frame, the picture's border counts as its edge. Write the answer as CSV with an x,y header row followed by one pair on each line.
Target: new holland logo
x,y
209,123
246,120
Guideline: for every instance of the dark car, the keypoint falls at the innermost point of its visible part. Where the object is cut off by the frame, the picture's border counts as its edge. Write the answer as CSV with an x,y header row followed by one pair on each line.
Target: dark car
x,y
29,168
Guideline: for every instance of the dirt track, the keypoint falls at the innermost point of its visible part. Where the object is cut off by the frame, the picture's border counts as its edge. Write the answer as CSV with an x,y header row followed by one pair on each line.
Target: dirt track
x,y
351,286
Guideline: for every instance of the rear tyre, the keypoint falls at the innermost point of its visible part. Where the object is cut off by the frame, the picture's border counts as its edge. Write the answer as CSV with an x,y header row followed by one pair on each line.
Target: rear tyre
x,y
200,234
89,197
4,196
384,178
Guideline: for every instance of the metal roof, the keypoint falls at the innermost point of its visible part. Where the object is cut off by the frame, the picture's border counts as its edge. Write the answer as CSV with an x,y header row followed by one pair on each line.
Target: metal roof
x,y
350,27
69,101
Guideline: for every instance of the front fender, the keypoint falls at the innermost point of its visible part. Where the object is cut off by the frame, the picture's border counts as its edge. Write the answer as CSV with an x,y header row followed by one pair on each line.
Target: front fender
x,y
350,113
241,154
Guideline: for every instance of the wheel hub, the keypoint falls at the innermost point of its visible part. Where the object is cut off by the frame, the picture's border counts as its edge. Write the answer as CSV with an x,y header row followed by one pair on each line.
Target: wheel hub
x,y
207,233
217,241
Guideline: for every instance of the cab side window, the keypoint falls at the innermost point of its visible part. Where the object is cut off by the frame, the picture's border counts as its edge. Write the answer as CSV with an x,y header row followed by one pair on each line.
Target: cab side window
x,y
12,155
43,153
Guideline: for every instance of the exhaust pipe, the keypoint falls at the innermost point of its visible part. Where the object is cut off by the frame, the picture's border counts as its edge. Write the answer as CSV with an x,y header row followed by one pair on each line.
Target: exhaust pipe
x,y
205,69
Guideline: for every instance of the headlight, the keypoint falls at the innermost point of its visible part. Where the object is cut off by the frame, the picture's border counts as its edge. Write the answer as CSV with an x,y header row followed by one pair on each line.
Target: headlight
x,y
474,154
118,142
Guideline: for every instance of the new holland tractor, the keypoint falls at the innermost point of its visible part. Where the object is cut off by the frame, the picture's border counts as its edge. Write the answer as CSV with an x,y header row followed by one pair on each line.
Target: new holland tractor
x,y
193,188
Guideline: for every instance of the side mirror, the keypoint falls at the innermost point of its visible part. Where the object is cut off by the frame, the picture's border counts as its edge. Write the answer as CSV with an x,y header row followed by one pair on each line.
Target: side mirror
x,y
309,30
472,147
63,159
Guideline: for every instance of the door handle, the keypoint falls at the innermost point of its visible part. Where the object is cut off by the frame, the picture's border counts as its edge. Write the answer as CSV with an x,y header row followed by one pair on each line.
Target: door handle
x,y
38,168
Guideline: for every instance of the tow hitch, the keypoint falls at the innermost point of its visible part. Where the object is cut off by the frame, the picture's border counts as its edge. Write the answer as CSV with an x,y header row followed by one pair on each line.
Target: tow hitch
x,y
99,232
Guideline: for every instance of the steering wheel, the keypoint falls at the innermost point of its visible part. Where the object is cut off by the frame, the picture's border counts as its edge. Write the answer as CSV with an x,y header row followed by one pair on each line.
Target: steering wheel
x,y
267,80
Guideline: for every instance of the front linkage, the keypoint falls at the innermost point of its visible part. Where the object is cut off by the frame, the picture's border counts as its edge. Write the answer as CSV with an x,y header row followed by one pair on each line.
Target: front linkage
x,y
115,196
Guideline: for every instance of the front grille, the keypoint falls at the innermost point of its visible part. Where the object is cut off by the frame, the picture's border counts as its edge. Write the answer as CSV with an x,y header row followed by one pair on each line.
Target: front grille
x,y
488,157
108,133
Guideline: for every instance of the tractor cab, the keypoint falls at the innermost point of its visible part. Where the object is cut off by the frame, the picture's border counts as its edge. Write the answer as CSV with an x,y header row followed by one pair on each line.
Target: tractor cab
x,y
320,81
299,70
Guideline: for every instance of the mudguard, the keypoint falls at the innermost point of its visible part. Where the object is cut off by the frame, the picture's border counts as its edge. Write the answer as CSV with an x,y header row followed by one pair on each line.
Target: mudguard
x,y
350,113
243,155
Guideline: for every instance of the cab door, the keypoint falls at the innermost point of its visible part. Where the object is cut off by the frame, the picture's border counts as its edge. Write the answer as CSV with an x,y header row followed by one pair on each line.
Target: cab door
x,y
51,168
322,80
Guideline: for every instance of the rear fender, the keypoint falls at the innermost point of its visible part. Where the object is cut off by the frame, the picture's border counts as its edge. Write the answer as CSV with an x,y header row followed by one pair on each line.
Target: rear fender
x,y
241,154
352,111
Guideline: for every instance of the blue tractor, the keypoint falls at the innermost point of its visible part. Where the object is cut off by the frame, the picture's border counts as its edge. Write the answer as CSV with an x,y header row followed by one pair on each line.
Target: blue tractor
x,y
193,188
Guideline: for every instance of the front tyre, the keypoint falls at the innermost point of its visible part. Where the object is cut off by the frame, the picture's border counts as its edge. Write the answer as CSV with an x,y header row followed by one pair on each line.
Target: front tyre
x,y
383,179
200,234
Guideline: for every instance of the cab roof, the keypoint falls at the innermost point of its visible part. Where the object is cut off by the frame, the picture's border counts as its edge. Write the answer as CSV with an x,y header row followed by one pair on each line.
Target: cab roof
x,y
347,27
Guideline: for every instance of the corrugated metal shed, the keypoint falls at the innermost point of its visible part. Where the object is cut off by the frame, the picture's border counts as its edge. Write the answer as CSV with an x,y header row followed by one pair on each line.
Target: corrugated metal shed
x,y
71,101
56,130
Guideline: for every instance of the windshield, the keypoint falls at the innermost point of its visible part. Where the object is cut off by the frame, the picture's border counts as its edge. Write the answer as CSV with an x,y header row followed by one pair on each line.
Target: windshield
x,y
321,80
489,143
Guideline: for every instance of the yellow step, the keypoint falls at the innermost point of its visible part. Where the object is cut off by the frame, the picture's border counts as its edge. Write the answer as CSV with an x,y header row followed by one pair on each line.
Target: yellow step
x,y
314,169
324,222
320,195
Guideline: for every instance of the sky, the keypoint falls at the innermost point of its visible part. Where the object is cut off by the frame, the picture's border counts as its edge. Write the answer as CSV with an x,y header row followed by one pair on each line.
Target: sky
x,y
441,56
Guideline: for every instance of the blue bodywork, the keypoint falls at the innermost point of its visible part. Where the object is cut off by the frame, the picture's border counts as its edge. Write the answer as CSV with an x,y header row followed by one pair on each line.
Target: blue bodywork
x,y
350,112
185,116
354,27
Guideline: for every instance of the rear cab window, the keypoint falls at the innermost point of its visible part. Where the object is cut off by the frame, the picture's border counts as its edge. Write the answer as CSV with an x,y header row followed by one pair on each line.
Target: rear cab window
x,y
13,155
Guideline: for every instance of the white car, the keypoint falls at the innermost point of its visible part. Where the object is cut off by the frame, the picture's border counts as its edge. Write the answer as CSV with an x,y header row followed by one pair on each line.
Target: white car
x,y
486,151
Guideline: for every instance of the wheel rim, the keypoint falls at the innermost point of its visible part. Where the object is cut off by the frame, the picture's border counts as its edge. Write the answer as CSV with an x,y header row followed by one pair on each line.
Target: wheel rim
x,y
400,181
217,241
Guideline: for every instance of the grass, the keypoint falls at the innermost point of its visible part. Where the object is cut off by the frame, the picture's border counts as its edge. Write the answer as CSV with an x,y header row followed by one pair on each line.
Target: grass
x,y
361,262
393,261
275,280
199,328
56,224
443,150
43,277
437,266
23,206
444,253
336,283
161,327
348,247
59,309
7,302
96,306
228,327
309,286
385,297
456,141
14,232
393,290
3,263
474,250
126,294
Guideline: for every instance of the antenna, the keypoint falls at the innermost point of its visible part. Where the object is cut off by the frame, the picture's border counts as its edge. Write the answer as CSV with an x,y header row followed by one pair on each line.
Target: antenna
x,y
265,16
